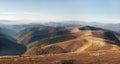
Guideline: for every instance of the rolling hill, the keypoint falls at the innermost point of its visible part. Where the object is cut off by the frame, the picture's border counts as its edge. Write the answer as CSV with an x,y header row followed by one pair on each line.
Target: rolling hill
x,y
72,39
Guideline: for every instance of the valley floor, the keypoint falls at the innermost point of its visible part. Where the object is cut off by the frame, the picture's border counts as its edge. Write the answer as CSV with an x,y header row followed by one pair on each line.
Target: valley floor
x,y
99,57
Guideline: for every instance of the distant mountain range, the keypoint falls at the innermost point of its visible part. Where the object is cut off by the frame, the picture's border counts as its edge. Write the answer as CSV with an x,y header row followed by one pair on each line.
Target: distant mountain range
x,y
110,26
18,27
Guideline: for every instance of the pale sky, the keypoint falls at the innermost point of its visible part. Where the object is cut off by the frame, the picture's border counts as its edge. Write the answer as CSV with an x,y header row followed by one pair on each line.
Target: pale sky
x,y
60,10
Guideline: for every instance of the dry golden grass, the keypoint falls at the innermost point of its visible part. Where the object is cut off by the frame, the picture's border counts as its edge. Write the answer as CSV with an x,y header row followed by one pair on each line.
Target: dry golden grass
x,y
84,41
45,50
93,57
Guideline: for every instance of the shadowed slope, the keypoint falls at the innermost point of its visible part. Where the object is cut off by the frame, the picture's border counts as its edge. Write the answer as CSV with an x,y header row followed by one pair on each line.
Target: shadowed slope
x,y
46,35
9,46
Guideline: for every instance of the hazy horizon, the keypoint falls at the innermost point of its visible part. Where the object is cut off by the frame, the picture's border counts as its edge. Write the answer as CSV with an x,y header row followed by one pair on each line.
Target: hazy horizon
x,y
22,11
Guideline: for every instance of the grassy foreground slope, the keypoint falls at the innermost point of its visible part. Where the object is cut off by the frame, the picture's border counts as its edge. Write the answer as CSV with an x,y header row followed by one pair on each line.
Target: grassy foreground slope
x,y
99,57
